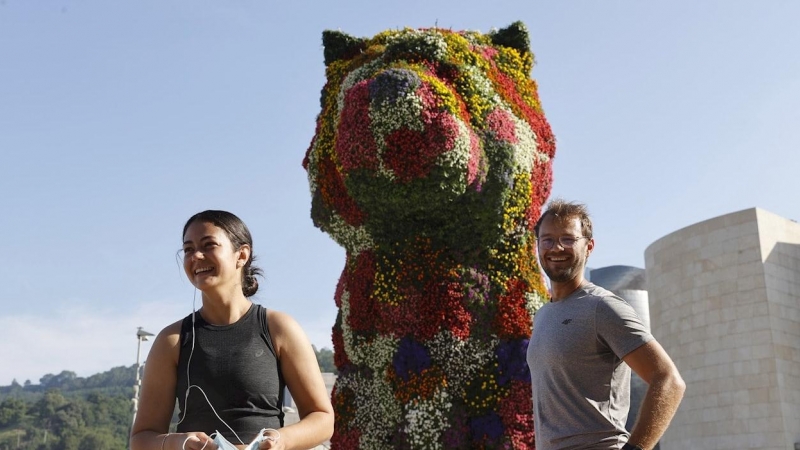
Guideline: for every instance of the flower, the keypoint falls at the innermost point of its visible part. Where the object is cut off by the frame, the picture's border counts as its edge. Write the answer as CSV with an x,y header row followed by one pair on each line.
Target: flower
x,y
429,164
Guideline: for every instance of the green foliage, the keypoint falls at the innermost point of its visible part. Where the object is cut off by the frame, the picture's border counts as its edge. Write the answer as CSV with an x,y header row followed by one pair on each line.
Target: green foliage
x,y
56,422
118,381
12,411
514,36
67,412
325,360
340,45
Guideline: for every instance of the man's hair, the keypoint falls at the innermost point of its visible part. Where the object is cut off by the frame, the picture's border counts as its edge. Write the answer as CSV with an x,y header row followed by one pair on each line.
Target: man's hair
x,y
564,210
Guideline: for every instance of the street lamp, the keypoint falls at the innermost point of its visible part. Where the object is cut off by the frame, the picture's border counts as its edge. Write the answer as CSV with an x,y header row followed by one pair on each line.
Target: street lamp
x,y
141,336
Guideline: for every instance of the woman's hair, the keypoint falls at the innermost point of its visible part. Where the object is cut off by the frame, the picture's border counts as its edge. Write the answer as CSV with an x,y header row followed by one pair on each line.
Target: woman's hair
x,y
239,235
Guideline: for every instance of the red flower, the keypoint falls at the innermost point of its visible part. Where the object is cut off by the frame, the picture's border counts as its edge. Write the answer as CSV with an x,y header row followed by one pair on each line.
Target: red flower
x,y
476,167
516,412
340,358
436,307
334,193
355,145
346,440
499,122
363,308
541,183
340,287
411,154
513,320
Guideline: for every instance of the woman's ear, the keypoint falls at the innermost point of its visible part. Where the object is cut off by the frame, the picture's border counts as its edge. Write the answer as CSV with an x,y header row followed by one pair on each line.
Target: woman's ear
x,y
243,256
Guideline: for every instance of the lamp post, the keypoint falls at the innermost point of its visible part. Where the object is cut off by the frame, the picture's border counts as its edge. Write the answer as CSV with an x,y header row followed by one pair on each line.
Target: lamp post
x,y
141,336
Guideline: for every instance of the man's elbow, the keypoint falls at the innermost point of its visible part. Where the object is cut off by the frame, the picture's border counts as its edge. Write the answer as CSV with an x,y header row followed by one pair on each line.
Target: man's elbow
x,y
675,384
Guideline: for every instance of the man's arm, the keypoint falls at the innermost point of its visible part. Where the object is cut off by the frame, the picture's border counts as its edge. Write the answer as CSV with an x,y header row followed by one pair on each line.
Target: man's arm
x,y
664,392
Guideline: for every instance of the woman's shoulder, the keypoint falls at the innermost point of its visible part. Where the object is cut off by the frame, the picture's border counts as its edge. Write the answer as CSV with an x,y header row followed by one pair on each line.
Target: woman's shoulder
x,y
170,335
280,320
285,330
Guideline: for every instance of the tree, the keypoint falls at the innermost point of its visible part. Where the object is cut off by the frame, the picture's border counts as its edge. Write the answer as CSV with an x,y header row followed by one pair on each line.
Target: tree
x,y
102,439
12,412
325,360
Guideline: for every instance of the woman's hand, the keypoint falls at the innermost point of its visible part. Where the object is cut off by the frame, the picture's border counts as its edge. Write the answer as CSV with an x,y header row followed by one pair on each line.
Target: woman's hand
x,y
272,440
191,441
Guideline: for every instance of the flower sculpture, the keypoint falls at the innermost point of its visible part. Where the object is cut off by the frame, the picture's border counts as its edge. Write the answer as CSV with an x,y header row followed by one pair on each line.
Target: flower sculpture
x,y
429,165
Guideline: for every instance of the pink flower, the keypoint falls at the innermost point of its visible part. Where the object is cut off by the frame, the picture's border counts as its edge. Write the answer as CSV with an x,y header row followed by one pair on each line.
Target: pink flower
x,y
500,123
355,145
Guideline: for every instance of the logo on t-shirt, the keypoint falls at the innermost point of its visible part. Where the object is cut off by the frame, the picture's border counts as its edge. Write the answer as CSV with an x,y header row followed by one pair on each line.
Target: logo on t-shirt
x,y
566,322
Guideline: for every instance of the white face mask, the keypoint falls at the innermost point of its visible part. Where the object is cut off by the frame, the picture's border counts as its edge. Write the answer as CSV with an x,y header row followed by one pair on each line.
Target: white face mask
x,y
223,443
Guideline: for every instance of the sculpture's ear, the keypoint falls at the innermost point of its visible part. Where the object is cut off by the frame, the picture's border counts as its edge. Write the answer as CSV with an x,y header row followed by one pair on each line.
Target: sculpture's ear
x,y
513,36
340,45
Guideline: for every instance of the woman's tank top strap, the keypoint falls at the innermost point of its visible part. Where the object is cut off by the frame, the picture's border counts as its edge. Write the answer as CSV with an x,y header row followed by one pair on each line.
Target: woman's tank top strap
x,y
267,337
262,318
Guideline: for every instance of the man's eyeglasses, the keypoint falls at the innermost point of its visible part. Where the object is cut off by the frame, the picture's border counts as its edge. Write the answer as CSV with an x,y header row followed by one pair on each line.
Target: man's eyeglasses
x,y
565,241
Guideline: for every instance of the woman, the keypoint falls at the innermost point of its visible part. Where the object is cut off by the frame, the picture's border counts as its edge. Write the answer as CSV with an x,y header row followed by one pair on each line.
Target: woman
x,y
227,363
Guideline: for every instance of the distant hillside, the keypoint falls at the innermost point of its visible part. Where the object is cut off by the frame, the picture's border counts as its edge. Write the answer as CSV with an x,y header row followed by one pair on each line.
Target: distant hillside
x,y
117,381
68,412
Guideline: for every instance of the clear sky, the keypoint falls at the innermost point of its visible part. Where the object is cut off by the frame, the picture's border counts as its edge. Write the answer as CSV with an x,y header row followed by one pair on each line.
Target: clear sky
x,y
119,120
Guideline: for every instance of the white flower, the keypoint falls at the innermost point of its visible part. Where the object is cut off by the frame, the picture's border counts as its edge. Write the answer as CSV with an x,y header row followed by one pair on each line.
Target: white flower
x,y
426,421
377,409
385,117
460,359
533,301
525,148
457,160
482,85
376,354
354,239
356,76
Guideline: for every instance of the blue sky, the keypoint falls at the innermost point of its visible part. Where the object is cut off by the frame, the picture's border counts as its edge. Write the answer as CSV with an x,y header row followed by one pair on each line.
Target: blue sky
x,y
119,120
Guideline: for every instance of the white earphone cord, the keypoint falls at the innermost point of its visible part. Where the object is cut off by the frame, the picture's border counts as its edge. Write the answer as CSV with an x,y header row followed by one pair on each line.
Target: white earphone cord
x,y
190,385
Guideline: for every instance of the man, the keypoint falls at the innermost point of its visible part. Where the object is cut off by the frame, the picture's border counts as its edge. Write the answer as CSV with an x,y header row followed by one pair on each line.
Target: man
x,y
584,344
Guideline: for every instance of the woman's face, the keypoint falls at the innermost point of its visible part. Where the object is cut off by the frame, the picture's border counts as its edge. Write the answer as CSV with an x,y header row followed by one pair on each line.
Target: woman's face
x,y
209,259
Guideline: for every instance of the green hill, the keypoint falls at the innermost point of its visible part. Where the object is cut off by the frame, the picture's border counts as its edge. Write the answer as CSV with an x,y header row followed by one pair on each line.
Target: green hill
x,y
68,412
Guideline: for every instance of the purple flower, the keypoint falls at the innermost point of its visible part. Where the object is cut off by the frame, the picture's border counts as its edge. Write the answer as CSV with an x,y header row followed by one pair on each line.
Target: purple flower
x,y
456,436
511,356
411,358
477,287
490,426
391,84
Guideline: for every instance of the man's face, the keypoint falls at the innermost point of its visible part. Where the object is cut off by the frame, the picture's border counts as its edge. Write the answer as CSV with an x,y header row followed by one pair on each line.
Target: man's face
x,y
559,263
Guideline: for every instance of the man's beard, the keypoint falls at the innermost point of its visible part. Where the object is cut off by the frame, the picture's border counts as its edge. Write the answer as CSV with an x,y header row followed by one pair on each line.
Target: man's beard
x,y
566,274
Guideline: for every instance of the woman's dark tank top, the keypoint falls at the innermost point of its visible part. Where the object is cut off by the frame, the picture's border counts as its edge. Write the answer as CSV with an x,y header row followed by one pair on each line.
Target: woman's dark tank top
x,y
238,370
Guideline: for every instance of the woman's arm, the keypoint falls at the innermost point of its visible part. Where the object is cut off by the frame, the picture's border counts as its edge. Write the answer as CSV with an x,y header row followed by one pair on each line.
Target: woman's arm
x,y
157,398
301,372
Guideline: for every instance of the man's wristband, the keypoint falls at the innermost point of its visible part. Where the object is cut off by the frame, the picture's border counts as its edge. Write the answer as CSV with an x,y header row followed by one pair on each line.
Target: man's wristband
x,y
629,446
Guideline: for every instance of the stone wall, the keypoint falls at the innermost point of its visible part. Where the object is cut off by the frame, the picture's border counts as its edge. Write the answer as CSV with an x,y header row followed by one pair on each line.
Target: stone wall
x,y
725,304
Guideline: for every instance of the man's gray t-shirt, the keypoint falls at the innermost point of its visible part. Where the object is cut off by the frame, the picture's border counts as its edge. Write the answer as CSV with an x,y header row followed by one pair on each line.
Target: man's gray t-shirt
x,y
581,386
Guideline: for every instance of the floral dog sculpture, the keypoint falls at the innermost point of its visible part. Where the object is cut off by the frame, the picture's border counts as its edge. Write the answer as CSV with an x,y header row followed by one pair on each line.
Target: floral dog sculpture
x,y
430,163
